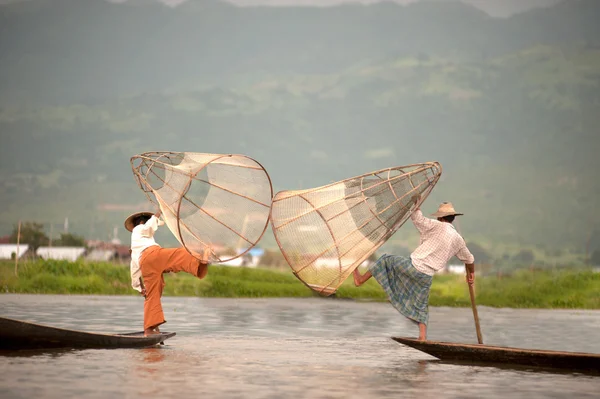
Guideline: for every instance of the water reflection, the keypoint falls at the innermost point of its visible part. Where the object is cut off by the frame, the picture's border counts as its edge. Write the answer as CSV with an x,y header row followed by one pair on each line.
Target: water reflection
x,y
272,348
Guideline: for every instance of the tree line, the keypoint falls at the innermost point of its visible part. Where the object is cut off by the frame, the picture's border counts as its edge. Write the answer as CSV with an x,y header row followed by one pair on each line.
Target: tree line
x,y
33,234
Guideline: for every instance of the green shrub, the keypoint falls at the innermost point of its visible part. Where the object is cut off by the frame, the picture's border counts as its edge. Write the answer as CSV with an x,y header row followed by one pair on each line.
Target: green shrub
x,y
567,288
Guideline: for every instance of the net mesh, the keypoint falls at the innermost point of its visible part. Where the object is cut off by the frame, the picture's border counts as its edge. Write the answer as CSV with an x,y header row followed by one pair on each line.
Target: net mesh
x,y
213,202
324,233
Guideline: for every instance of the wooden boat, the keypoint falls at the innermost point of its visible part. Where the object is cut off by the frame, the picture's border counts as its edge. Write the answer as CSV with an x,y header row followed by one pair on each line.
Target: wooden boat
x,y
479,354
17,335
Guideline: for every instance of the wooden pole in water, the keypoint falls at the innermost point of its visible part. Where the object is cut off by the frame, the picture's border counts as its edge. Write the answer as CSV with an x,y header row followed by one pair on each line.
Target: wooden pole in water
x,y
17,254
475,315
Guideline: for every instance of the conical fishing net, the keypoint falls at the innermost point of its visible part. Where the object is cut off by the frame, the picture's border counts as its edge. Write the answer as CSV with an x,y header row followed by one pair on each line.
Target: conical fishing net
x,y
213,202
324,233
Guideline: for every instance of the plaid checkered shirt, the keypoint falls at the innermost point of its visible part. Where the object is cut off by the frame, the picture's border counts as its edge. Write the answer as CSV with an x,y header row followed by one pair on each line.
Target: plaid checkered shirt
x,y
439,242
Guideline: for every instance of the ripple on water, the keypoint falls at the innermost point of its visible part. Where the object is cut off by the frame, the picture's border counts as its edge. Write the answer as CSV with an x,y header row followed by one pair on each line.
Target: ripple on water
x,y
272,348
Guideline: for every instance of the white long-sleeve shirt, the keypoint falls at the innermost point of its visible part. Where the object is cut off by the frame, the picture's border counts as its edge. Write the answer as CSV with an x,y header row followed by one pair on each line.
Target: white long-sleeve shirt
x,y
142,237
439,242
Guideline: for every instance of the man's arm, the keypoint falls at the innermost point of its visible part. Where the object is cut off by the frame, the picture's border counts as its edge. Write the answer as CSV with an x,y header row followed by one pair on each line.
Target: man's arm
x,y
466,256
152,224
470,267
421,222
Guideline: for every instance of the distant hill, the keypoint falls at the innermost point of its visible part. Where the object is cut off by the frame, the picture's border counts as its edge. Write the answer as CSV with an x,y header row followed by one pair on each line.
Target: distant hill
x,y
508,106
76,50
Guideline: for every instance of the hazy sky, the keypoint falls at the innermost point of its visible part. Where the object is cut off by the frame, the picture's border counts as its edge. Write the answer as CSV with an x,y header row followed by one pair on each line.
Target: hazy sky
x,y
499,8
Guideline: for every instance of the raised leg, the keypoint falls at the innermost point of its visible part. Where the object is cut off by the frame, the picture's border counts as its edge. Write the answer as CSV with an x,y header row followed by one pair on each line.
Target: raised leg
x,y
361,279
177,260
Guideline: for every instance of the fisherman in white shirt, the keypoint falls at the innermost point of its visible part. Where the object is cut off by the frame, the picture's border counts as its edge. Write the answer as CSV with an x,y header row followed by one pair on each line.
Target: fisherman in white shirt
x,y
407,280
149,261
142,237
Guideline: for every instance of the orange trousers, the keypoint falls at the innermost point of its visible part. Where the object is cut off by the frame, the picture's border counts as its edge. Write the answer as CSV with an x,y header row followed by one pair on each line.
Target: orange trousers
x,y
154,262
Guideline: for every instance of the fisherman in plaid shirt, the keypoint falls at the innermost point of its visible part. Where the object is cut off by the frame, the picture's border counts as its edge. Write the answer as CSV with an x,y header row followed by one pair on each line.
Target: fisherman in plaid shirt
x,y
407,280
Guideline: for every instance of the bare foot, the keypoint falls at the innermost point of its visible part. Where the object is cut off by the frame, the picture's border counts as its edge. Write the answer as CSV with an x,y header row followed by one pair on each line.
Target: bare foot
x,y
202,269
203,263
151,331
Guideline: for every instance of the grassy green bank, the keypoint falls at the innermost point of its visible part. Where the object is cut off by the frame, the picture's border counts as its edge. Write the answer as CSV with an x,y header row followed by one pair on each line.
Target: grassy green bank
x,y
577,288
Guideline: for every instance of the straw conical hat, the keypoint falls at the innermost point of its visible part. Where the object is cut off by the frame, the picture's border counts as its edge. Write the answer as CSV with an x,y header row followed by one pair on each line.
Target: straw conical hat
x,y
446,209
129,221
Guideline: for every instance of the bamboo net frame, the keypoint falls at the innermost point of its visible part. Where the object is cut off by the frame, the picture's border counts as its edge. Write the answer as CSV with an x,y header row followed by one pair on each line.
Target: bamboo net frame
x,y
324,233
215,202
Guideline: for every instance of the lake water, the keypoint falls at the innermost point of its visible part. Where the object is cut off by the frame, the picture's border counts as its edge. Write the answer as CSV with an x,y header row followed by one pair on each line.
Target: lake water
x,y
289,348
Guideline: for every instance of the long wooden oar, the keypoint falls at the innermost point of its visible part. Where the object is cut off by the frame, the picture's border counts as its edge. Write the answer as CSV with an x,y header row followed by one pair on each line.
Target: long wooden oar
x,y
475,316
472,295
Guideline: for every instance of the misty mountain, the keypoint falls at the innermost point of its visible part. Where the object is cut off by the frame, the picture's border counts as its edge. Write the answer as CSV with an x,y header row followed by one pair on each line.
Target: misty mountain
x,y
508,106
76,50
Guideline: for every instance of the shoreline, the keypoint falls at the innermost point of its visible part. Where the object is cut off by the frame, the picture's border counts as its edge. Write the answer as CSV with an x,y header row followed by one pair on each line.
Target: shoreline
x,y
565,289
315,297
